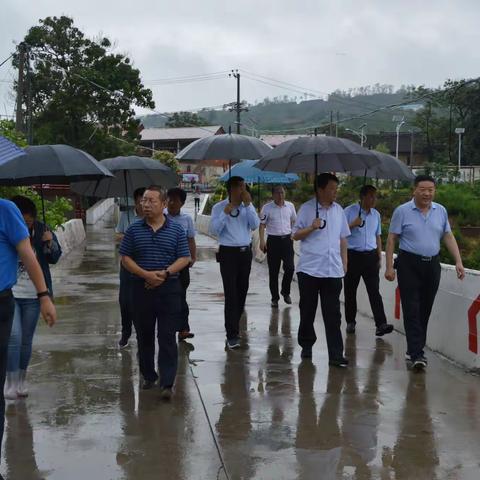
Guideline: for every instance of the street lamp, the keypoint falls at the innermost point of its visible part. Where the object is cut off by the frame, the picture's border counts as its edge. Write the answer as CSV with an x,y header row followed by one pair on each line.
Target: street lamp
x,y
459,132
399,126
360,134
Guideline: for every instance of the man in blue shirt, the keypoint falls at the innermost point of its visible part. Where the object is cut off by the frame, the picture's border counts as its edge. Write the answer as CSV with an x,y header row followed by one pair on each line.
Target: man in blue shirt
x,y
154,250
232,222
175,201
420,225
365,259
321,266
15,245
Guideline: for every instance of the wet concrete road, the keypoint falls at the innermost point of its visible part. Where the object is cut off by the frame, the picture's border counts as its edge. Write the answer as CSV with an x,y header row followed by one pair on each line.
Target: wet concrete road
x,y
274,417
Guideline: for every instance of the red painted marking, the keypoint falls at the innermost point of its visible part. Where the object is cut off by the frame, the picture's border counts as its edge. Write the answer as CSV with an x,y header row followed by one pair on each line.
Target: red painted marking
x,y
472,325
397,303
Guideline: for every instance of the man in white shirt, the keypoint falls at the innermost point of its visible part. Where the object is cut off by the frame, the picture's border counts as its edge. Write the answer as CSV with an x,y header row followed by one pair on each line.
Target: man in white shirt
x,y
321,267
277,218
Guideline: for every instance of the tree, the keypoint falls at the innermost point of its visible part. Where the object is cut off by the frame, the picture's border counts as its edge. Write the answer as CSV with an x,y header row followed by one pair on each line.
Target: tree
x,y
186,119
7,130
81,94
168,159
382,147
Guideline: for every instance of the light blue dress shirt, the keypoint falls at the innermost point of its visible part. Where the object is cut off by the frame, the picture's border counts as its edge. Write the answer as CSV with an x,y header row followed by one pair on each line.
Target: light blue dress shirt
x,y
184,220
233,231
125,220
420,234
363,239
320,251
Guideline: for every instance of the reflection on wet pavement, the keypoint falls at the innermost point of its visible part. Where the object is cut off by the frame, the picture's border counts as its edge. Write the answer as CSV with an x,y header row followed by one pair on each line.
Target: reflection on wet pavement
x,y
273,416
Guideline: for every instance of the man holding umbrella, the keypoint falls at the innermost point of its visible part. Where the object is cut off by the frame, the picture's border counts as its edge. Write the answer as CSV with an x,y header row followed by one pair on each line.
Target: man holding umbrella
x,y
277,218
322,228
365,259
232,222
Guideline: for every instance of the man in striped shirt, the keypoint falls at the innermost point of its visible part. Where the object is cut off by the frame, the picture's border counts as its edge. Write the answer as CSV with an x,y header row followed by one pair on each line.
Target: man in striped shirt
x,y
154,250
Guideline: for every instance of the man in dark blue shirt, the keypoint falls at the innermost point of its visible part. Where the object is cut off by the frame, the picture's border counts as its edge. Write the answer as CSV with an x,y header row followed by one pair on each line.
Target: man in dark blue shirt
x,y
15,245
154,250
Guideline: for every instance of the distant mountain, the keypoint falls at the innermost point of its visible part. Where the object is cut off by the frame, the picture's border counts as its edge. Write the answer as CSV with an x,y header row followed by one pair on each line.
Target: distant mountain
x,y
288,116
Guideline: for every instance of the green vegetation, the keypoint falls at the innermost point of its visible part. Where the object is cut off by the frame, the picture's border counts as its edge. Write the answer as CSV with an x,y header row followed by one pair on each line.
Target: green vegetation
x,y
81,93
168,159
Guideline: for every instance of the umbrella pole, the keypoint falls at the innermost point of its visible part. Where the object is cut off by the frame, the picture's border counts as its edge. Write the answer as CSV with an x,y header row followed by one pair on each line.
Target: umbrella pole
x,y
315,181
43,204
258,192
126,194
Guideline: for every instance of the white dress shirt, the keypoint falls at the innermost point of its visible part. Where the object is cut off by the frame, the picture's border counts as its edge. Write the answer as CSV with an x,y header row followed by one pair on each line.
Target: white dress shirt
x,y
278,219
320,251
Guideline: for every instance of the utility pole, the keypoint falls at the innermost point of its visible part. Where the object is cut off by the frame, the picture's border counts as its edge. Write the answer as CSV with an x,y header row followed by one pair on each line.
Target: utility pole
x,y
336,123
331,123
29,126
237,106
19,120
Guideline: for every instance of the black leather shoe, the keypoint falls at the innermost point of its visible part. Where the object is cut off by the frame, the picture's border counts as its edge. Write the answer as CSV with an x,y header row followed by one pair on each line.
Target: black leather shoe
x,y
287,299
384,329
339,362
274,304
306,352
350,328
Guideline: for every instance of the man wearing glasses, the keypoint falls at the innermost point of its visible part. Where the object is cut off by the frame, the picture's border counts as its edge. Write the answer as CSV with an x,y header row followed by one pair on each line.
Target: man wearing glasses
x,y
155,250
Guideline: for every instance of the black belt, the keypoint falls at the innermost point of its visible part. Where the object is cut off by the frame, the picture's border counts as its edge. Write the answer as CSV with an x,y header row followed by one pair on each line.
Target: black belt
x,y
280,237
365,252
6,293
244,248
420,258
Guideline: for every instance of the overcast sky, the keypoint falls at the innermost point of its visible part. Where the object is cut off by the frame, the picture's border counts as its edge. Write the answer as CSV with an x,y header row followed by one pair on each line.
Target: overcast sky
x,y
316,44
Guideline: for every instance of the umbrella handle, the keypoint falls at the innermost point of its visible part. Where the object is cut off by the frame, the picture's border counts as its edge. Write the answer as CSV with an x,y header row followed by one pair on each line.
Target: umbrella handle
x,y
322,226
235,215
263,218
362,224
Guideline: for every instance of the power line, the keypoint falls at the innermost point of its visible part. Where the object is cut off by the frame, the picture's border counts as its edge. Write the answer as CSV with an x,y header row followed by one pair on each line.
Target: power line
x,y
6,60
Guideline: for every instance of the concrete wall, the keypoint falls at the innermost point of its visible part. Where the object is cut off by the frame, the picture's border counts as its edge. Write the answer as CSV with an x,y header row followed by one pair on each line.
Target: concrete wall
x,y
97,211
70,235
455,321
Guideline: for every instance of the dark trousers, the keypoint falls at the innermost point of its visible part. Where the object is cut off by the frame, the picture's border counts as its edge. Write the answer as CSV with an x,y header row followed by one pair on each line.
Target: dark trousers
x,y
418,281
197,204
7,308
280,249
329,290
159,307
363,265
235,266
184,282
126,301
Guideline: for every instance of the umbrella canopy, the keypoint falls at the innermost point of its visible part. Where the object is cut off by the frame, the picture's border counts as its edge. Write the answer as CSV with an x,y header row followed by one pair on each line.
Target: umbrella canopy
x,y
248,171
317,153
389,168
228,146
8,150
51,164
130,173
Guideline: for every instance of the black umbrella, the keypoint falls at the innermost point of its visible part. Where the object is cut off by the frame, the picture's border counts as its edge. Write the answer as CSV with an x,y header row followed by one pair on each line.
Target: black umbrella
x,y
229,146
50,164
318,152
389,168
130,173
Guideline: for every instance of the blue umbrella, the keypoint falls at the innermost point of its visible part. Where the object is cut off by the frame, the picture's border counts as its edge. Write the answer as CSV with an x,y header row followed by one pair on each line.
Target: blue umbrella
x,y
247,170
250,174
8,150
